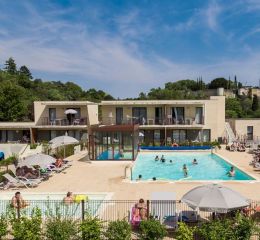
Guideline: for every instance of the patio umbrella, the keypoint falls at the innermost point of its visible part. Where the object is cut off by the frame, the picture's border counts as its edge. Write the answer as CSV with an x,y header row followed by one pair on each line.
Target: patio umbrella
x,y
214,198
63,141
70,111
38,159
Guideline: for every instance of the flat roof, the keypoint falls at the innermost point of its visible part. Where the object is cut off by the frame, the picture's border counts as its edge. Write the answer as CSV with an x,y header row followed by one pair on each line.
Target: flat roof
x,y
61,103
16,125
151,102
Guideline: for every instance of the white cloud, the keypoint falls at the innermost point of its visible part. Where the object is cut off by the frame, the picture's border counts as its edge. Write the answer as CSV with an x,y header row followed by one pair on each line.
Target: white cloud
x,y
211,14
59,48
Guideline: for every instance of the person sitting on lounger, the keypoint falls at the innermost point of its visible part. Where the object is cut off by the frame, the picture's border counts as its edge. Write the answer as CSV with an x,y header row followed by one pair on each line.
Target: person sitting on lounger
x,y
156,158
231,172
194,162
185,170
142,209
18,202
58,163
69,198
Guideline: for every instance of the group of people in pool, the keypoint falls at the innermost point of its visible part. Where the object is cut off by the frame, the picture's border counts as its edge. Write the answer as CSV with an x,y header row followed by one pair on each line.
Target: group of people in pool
x,y
230,173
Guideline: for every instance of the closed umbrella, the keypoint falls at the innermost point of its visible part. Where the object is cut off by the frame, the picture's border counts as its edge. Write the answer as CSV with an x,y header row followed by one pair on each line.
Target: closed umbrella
x,y
70,111
214,198
38,159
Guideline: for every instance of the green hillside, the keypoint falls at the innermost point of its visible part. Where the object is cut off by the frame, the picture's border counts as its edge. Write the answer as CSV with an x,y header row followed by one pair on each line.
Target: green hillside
x,y
18,90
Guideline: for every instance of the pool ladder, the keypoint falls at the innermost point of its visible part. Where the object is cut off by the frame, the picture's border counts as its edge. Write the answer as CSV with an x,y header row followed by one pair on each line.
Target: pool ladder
x,y
128,172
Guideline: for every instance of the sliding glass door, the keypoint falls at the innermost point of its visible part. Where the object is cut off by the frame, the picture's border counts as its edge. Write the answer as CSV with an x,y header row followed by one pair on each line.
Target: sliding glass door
x,y
178,115
139,115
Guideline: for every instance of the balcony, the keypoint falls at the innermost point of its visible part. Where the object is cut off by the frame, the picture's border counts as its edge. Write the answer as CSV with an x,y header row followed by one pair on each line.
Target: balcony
x,y
45,121
153,121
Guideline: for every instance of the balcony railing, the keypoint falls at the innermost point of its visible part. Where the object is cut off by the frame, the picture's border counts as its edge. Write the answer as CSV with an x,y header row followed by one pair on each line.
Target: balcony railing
x,y
45,121
154,121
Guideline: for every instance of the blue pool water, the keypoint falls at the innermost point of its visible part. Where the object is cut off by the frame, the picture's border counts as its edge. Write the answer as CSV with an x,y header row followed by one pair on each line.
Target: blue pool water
x,y
106,155
210,167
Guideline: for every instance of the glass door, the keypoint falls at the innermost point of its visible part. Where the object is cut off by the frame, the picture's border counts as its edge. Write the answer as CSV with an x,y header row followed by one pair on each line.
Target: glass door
x,y
198,116
139,115
119,115
158,115
52,115
178,115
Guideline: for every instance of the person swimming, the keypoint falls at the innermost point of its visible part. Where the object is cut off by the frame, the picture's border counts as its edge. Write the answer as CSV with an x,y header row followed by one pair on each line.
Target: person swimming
x,y
194,162
170,161
163,159
156,158
185,170
139,177
231,172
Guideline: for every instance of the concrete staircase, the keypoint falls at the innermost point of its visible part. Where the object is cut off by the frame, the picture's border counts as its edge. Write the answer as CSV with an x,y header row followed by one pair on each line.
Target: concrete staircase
x,y
230,134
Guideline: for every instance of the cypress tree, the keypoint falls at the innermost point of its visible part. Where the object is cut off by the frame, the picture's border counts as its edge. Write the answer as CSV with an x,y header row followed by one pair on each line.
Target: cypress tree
x,y
255,104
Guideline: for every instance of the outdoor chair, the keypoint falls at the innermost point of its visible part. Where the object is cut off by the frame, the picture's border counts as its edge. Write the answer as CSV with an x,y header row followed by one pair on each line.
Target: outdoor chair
x,y
36,180
16,182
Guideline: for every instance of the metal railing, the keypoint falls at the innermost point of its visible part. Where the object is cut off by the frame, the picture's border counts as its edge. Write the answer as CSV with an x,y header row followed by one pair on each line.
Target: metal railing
x,y
168,212
45,121
151,121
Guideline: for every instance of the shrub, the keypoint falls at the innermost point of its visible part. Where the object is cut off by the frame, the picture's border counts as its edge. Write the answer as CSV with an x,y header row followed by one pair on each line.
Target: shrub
x,y
69,150
91,228
152,230
58,228
184,232
27,228
33,146
217,230
244,227
118,230
3,226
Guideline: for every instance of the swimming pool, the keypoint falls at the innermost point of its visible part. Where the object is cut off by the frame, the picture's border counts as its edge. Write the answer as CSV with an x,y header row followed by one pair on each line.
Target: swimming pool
x,y
108,155
52,203
210,167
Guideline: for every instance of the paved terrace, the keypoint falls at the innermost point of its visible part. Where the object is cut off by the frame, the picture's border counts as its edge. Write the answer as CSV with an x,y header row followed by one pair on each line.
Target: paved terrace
x,y
106,176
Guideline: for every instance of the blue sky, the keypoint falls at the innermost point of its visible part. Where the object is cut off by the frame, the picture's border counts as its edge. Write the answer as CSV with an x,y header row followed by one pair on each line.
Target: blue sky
x,y
124,47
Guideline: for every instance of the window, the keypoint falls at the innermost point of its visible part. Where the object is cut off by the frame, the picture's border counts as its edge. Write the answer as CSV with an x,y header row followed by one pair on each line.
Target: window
x,y
157,137
119,115
198,116
179,136
52,114
205,135
250,132
178,115
158,115
139,115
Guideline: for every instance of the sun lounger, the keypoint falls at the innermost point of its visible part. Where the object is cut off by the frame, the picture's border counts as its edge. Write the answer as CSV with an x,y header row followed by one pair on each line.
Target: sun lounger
x,y
20,182
188,216
163,208
37,180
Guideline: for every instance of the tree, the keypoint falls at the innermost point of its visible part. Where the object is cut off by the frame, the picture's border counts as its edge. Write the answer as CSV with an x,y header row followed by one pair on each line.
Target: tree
x,y
235,82
218,83
255,104
10,66
233,107
25,71
12,106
